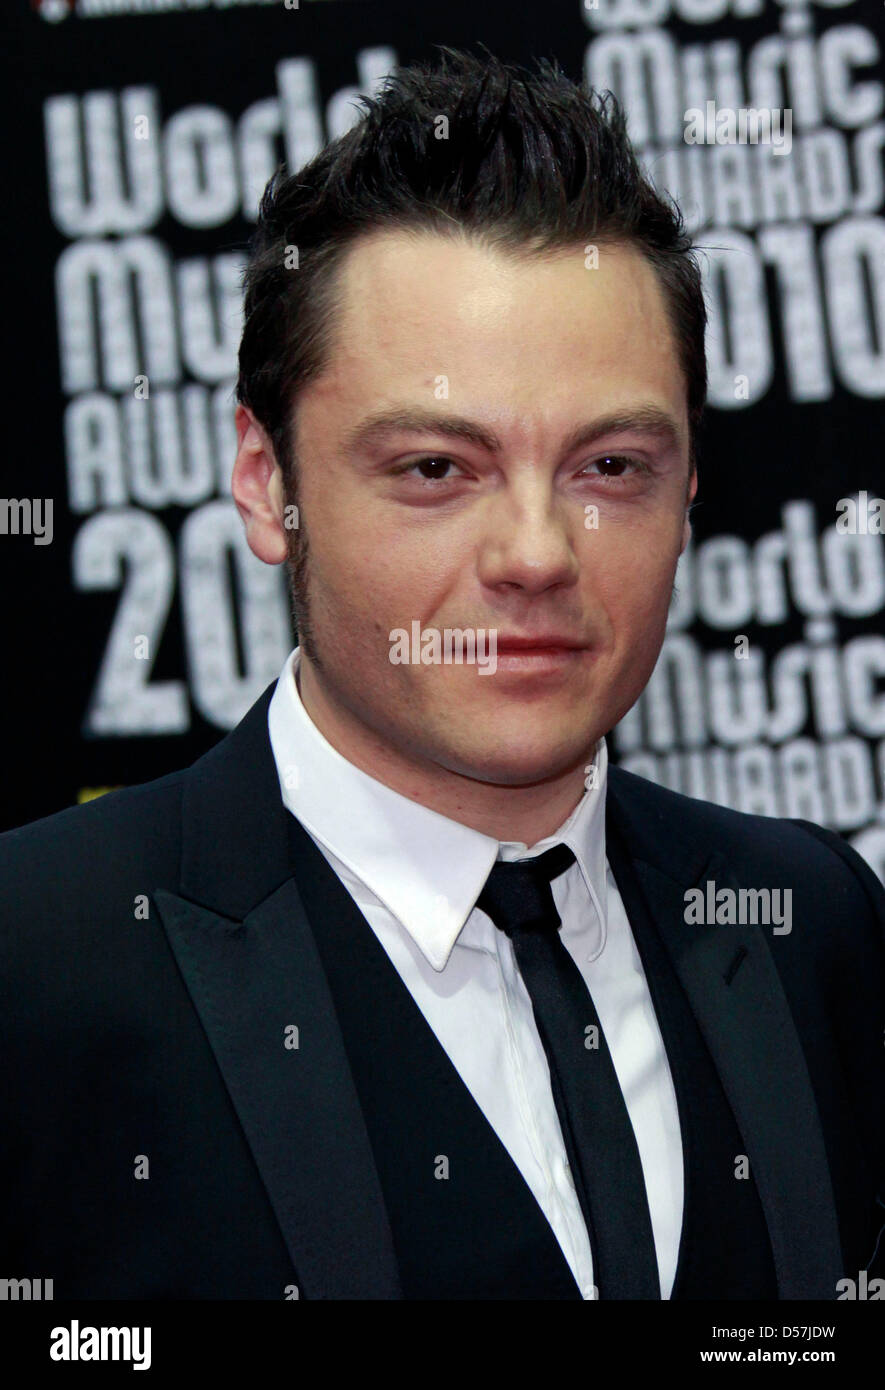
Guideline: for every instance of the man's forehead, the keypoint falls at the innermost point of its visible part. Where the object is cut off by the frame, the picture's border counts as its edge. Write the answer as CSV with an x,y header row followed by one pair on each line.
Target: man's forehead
x,y
390,256
398,346
406,301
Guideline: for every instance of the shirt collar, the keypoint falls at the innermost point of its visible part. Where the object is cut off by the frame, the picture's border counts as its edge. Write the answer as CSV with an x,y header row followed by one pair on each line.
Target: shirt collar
x,y
426,869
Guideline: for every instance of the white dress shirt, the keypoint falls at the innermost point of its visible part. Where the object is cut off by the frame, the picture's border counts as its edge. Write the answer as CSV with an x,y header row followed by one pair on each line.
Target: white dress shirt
x,y
415,876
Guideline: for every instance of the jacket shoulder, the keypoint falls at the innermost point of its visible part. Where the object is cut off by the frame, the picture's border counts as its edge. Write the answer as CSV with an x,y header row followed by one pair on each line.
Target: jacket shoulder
x,y
760,846
83,853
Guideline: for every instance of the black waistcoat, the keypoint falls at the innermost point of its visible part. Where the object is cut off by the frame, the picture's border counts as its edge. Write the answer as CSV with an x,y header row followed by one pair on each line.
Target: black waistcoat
x,y
464,1221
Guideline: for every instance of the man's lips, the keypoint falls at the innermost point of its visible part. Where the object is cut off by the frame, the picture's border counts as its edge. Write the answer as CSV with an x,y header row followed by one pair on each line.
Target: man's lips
x,y
542,643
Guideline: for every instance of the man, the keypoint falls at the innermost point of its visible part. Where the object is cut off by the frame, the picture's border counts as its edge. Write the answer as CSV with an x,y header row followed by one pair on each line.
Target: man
x,y
401,991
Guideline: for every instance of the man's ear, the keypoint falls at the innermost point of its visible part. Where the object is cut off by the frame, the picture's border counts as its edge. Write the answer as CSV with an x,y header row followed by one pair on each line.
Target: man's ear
x,y
689,498
257,488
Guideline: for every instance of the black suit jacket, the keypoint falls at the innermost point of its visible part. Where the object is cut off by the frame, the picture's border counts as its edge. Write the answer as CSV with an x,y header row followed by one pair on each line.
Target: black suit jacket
x,y
159,1140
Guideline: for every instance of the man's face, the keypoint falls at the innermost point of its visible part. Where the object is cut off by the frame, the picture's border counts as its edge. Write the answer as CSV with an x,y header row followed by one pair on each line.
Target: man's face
x,y
505,538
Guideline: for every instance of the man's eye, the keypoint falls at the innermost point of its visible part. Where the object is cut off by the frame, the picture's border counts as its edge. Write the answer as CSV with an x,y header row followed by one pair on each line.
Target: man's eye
x,y
433,468
616,465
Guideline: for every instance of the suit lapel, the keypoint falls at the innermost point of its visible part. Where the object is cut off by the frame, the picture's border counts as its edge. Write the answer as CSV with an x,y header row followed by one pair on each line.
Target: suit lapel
x,y
241,937
734,990
245,949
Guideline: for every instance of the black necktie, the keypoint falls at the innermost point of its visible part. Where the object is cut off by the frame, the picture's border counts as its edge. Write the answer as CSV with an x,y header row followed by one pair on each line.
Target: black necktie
x,y
596,1127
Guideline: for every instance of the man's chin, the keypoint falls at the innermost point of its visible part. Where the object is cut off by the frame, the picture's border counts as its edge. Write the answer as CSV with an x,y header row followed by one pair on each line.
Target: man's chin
x,y
517,765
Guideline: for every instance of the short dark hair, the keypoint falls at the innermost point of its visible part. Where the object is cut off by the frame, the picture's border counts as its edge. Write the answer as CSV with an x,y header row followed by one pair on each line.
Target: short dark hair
x,y
532,163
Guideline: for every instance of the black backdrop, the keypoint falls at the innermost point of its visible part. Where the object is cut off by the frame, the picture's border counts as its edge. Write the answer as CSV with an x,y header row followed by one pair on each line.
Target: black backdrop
x,y
141,134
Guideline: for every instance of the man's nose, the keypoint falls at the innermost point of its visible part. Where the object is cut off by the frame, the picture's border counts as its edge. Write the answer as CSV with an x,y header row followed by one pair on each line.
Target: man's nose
x,y
529,542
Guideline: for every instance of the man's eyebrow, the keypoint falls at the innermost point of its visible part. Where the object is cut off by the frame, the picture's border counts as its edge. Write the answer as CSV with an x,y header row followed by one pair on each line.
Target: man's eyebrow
x,y
649,420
